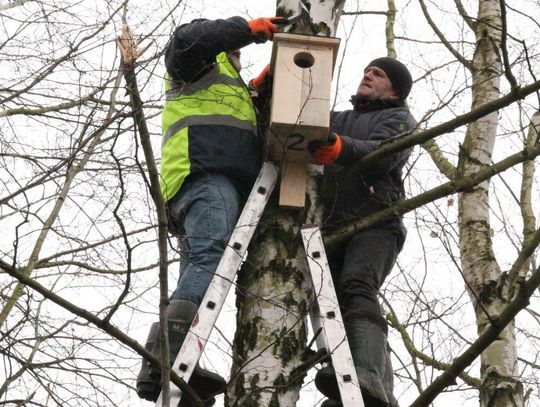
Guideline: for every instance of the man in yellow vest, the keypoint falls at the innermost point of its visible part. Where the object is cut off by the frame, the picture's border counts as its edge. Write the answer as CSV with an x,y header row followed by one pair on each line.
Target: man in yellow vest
x,y
211,155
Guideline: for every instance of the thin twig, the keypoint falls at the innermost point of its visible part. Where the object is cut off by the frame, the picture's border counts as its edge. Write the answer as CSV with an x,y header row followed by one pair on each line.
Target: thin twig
x,y
333,240
443,39
412,139
492,332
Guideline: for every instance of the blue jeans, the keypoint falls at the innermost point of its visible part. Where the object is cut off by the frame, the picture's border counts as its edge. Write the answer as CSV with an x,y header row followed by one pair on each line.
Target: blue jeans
x,y
207,208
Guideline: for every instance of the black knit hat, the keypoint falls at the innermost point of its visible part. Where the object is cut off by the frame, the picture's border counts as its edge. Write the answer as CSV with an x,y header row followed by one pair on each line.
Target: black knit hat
x,y
398,74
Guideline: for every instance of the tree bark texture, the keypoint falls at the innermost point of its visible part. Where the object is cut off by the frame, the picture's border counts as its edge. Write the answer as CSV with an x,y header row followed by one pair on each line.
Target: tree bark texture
x,y
526,197
272,302
273,286
491,291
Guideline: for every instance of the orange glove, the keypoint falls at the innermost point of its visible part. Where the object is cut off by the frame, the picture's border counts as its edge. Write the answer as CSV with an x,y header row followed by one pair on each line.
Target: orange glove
x,y
326,152
262,29
260,79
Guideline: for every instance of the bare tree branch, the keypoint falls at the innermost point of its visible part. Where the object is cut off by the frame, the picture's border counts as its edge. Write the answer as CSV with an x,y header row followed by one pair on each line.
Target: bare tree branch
x,y
463,13
72,172
13,3
442,163
443,39
389,29
101,324
411,140
525,291
401,207
413,351
504,34
129,54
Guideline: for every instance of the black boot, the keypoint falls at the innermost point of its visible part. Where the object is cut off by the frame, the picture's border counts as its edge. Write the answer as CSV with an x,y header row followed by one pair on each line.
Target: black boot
x,y
326,383
148,386
206,384
366,333
331,403
388,378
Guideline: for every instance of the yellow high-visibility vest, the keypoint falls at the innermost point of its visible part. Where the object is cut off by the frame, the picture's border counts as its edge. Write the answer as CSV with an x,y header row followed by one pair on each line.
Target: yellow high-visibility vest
x,y
208,125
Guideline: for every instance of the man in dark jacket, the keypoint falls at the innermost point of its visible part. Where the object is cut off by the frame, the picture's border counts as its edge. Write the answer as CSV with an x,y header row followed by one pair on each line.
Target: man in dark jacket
x,y
360,267
210,158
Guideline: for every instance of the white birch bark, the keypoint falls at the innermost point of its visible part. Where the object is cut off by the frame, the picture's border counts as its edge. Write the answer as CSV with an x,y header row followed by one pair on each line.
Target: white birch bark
x,y
273,285
526,198
491,289
272,302
11,4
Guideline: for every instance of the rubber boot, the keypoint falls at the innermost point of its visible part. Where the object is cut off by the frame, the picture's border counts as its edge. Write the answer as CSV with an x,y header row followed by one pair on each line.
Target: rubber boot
x,y
366,333
148,388
205,383
388,378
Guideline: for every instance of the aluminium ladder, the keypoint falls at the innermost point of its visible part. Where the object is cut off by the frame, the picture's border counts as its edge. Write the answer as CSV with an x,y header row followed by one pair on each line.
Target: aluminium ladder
x,y
325,314
326,317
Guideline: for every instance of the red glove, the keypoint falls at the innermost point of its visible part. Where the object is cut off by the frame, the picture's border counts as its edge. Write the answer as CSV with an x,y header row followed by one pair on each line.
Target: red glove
x,y
326,152
262,29
260,79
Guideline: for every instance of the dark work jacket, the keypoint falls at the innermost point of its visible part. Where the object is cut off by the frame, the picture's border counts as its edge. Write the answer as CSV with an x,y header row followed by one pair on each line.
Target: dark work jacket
x,y
363,129
189,59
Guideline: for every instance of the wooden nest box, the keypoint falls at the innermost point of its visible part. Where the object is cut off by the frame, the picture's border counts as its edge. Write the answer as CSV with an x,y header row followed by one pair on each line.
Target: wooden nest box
x,y
302,68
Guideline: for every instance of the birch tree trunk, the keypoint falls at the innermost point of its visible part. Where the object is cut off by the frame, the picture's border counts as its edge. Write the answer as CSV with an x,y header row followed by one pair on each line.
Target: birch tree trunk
x,y
272,291
491,290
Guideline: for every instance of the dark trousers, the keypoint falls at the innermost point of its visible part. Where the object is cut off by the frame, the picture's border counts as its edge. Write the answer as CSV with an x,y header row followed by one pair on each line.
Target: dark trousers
x,y
360,269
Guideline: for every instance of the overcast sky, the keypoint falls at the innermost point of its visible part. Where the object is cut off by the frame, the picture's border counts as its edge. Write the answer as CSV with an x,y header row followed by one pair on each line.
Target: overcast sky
x,y
362,39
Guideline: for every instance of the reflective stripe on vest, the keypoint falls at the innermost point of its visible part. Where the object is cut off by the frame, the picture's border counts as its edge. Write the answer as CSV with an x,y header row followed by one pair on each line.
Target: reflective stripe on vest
x,y
218,98
217,119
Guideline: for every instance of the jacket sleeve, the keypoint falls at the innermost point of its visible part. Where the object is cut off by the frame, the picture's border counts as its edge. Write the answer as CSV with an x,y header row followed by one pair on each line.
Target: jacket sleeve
x,y
194,46
394,123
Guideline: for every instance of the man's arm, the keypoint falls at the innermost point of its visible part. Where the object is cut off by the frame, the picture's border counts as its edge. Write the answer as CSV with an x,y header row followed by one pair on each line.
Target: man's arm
x,y
396,124
194,46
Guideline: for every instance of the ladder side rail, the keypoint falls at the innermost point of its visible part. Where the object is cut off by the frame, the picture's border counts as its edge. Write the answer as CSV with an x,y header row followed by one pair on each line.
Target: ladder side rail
x,y
316,324
219,287
328,315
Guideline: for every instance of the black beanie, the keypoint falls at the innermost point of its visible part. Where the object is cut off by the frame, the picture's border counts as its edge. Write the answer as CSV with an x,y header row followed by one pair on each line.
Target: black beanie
x,y
398,74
